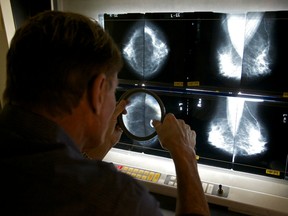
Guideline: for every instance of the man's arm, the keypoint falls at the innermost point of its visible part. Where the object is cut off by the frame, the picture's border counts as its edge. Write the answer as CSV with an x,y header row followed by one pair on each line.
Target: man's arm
x,y
180,141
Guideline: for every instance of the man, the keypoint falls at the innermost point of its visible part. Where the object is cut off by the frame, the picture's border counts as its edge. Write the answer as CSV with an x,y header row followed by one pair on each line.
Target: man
x,y
59,103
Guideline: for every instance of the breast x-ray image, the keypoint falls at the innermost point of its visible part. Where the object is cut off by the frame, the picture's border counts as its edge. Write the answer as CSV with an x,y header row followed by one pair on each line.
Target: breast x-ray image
x,y
235,133
219,51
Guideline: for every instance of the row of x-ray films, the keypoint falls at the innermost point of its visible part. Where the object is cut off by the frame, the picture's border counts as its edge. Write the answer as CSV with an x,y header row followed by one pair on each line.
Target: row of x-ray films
x,y
235,133
216,51
219,52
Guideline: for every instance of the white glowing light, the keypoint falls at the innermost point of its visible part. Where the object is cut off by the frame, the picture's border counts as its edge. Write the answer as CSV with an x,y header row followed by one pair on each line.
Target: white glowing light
x,y
151,123
236,30
285,118
199,103
229,67
234,113
180,106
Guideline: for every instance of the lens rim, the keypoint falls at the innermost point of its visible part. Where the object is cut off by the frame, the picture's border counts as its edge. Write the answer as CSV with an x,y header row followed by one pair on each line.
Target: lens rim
x,y
125,96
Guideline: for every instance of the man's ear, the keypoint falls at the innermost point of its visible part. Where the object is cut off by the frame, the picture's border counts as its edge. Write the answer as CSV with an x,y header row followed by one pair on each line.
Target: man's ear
x,y
97,94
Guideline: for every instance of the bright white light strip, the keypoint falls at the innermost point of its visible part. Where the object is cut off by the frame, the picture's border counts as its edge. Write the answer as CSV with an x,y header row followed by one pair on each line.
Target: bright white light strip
x,y
251,99
236,30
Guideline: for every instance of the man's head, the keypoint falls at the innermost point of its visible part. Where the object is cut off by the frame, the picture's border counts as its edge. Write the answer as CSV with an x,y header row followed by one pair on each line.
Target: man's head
x,y
54,58
64,66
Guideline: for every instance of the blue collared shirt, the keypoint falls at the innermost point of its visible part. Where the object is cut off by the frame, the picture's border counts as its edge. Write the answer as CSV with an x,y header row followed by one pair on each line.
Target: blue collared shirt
x,y
44,173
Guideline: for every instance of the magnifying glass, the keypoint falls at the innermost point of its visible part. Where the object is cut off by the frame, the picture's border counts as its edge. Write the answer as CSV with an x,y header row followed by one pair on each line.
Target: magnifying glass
x,y
144,106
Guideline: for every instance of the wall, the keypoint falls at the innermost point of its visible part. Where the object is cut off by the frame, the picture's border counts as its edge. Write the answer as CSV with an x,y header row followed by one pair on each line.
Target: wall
x,y
7,29
22,9
3,51
92,8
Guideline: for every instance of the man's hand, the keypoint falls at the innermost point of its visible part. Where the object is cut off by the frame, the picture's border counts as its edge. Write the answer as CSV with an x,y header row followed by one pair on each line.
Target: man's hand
x,y
114,131
175,135
112,136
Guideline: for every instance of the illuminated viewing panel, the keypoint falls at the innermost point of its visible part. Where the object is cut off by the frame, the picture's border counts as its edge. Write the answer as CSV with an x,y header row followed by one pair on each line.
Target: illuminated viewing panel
x,y
224,74
213,51
235,133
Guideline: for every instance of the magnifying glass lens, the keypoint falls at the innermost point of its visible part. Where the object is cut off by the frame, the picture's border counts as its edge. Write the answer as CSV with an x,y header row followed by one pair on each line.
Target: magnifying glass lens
x,y
143,108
